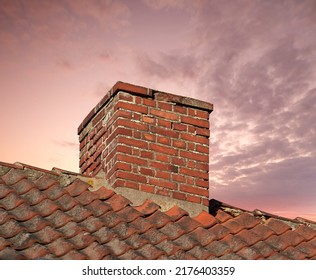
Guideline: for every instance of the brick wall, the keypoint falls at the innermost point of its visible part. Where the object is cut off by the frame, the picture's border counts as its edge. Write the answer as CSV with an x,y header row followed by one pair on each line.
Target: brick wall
x,y
148,140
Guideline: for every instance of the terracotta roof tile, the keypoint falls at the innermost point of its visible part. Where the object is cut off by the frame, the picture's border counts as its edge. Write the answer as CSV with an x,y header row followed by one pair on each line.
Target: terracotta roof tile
x,y
104,193
263,231
232,256
44,215
103,235
136,241
35,224
118,202
169,247
36,251
60,247
11,201
222,216
159,219
203,236
249,253
58,218
129,214
175,213
33,196
147,208
219,231
45,207
306,232
205,219
44,182
95,252
13,176
150,252
117,247
47,235
77,187
70,229
293,254
306,248
22,212
277,226
188,224
172,230
74,255
22,240
235,242
9,253
154,236
10,229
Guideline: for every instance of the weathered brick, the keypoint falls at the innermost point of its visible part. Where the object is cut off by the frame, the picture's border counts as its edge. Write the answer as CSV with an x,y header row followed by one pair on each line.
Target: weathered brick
x,y
163,114
194,138
163,140
131,124
131,176
163,149
195,121
193,190
194,156
132,142
164,123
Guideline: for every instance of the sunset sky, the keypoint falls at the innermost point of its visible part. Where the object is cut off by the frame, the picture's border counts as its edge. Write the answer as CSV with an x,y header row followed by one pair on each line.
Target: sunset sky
x,y
254,60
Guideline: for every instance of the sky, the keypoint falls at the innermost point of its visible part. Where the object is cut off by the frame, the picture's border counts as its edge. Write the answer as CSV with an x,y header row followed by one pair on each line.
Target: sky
x,y
254,60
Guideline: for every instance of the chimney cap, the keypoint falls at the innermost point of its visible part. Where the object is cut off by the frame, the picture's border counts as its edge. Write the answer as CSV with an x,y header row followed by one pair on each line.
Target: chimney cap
x,y
150,93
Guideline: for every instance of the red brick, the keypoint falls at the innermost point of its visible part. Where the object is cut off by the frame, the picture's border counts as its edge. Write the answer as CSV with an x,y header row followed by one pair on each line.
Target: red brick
x,y
162,183
162,166
194,156
180,109
180,126
164,105
193,173
178,195
147,171
179,144
147,119
202,114
193,190
132,124
119,131
163,175
123,149
178,161
164,132
98,117
164,123
202,166
149,137
163,191
163,114
132,142
131,176
202,131
147,154
132,159
122,114
163,140
202,149
163,149
194,199
178,178
131,185
195,121
147,188
126,96
202,183
162,157
137,116
195,138
149,102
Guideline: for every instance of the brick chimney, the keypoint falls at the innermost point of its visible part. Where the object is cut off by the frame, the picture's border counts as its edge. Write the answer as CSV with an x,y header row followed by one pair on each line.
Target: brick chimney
x,y
149,142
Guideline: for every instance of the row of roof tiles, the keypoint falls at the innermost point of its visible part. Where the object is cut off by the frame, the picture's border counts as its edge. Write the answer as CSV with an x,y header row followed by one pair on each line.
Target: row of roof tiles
x,y
53,215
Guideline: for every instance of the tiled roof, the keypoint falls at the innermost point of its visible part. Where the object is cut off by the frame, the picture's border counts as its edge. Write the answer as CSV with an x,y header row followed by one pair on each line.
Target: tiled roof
x,y
54,215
